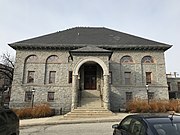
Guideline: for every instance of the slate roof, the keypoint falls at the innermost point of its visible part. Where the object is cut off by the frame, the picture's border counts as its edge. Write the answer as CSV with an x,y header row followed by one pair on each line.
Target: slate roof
x,y
91,36
90,49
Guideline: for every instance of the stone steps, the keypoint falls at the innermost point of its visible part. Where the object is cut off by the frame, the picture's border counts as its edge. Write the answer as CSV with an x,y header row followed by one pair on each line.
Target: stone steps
x,y
88,113
90,94
90,102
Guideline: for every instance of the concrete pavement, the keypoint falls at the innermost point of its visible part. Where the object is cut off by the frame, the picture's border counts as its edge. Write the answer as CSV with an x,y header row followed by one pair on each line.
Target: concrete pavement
x,y
61,120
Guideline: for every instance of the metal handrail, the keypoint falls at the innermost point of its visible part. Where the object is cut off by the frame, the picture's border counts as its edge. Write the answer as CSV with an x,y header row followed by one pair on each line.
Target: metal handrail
x,y
79,96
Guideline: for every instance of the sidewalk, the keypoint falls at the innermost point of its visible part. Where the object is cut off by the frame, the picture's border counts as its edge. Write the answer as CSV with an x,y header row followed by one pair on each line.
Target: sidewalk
x,y
61,120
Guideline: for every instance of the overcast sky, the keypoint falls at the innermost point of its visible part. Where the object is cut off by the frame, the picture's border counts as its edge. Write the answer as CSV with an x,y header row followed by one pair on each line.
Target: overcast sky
x,y
157,20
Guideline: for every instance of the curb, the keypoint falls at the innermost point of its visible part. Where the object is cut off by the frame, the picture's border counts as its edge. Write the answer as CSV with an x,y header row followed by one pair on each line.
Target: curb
x,y
61,120
69,122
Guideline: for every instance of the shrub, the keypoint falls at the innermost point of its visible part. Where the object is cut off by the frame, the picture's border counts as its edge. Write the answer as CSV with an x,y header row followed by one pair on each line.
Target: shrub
x,y
138,105
156,106
41,110
174,105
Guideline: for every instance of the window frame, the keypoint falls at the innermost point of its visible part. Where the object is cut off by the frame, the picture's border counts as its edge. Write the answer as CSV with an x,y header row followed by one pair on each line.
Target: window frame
x,y
147,60
132,125
28,96
52,77
127,81
169,86
129,96
52,59
126,59
151,95
121,125
30,80
70,75
148,77
50,96
178,86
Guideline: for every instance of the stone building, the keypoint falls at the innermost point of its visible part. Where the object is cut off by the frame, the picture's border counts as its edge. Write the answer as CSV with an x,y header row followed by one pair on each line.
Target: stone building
x,y
173,81
88,67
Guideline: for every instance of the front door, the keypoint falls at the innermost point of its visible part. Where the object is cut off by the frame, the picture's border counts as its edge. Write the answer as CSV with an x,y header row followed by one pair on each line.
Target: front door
x,y
90,77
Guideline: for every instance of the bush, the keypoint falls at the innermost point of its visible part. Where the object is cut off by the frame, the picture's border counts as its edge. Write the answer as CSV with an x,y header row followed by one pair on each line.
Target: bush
x,y
138,106
155,106
38,111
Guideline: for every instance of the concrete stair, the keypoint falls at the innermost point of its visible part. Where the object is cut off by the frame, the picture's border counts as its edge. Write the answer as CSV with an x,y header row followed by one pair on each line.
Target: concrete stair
x,y
90,106
90,99
90,103
90,94
81,112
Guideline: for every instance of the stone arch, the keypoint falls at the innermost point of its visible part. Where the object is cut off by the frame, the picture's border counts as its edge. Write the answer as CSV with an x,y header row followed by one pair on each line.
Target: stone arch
x,y
126,59
93,59
52,59
29,59
147,59
105,93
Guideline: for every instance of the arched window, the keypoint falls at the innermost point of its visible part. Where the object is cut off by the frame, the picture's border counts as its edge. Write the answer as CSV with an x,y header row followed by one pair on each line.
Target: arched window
x,y
29,70
126,59
52,59
50,73
147,59
31,59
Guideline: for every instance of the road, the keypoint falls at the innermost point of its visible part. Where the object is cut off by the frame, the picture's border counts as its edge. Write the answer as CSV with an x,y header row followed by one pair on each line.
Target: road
x,y
69,129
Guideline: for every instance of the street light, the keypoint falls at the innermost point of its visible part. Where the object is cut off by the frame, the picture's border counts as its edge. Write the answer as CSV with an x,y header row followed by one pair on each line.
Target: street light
x,y
147,89
33,92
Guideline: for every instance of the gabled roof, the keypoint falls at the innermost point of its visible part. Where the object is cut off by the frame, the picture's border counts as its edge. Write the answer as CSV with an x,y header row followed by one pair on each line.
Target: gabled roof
x,y
91,36
90,49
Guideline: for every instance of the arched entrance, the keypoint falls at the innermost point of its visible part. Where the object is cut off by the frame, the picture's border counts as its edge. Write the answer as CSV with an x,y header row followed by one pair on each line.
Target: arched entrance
x,y
90,85
90,80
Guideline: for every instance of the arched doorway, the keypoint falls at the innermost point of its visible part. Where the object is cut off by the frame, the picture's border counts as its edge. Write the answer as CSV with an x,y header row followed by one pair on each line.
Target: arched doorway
x,y
90,75
90,85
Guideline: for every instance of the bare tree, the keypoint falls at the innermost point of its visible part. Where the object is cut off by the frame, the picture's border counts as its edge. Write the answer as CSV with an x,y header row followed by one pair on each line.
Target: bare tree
x,y
7,66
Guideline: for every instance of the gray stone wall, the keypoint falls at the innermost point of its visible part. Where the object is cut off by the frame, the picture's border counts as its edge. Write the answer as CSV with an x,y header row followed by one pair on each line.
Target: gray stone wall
x,y
63,89
138,82
173,82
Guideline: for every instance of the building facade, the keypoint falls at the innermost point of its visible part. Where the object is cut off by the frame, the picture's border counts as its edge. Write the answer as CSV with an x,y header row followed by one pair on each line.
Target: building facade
x,y
70,68
173,81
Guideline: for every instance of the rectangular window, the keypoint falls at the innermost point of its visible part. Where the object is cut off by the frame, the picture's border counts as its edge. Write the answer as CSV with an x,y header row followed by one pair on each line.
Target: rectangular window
x,y
148,77
30,77
127,77
52,76
70,77
50,96
129,96
178,86
151,95
28,96
169,86
110,77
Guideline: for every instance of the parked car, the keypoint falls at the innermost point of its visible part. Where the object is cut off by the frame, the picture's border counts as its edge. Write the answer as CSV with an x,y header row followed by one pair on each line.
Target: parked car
x,y
148,125
9,122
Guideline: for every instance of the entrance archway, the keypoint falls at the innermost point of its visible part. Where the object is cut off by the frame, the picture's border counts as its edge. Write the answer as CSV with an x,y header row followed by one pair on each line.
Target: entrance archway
x,y
83,80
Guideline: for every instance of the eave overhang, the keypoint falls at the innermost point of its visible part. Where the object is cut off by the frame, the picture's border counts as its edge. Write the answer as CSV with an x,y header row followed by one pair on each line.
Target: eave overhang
x,y
76,46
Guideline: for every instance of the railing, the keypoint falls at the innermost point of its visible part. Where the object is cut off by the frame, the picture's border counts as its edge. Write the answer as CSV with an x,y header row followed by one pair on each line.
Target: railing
x,y
79,97
101,96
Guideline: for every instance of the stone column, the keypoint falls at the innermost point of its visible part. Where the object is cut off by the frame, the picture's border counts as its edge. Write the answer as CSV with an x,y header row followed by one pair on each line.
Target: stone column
x,y
74,92
106,92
